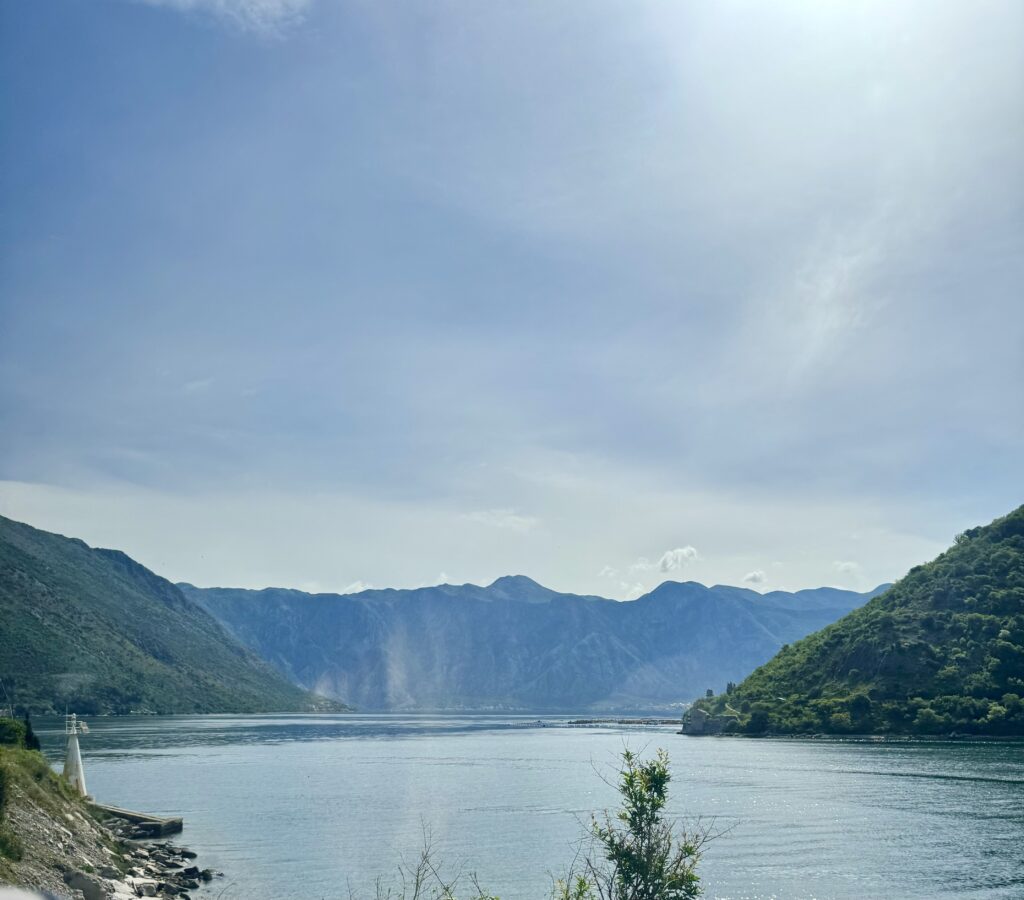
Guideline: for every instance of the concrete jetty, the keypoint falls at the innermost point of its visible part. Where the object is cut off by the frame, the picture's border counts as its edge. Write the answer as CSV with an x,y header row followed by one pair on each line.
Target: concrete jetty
x,y
146,825
154,826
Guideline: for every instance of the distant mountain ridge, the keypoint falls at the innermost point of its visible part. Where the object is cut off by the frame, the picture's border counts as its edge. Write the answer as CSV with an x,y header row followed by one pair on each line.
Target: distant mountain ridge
x,y
517,645
96,631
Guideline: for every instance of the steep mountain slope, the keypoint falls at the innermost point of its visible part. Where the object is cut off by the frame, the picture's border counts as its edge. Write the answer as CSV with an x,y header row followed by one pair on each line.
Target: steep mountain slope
x,y
96,631
941,651
516,644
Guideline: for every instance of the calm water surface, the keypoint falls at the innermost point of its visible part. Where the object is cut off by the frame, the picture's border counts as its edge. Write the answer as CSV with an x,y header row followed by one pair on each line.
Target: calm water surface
x,y
311,806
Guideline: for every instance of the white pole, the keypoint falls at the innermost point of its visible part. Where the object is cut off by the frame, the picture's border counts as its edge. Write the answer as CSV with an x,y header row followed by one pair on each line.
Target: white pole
x,y
73,770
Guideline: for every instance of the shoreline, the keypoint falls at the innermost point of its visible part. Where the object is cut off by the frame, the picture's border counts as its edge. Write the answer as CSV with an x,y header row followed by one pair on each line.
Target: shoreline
x,y
158,867
873,738
74,853
57,841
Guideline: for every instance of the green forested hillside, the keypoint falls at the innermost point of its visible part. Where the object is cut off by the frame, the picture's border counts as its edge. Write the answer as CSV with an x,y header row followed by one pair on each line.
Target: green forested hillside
x,y
941,651
96,631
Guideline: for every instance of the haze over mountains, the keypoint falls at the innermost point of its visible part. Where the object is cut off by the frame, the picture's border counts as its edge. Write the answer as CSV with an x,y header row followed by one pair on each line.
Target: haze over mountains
x,y
94,629
517,645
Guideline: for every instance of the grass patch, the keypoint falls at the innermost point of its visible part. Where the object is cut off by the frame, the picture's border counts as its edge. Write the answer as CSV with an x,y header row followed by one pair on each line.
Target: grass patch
x,y
31,773
10,846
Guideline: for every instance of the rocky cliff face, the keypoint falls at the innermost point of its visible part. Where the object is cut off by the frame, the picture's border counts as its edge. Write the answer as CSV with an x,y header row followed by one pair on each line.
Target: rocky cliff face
x,y
518,645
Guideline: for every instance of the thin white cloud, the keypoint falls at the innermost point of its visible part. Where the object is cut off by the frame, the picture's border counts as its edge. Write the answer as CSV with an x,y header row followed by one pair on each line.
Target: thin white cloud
x,y
357,587
673,560
503,518
755,577
846,567
828,300
266,16
608,572
670,561
442,578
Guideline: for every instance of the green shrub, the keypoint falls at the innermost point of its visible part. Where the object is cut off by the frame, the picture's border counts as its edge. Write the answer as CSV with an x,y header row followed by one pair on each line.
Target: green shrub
x,y
10,846
12,733
31,741
635,853
640,856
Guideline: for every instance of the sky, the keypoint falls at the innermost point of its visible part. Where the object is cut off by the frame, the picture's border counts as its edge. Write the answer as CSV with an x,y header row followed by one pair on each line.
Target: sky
x,y
329,294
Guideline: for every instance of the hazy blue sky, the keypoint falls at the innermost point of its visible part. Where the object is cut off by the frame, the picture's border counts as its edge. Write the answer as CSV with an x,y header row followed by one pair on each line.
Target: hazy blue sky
x,y
318,293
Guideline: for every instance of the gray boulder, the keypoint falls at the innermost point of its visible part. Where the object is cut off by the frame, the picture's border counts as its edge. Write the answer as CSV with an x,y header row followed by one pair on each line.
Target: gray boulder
x,y
91,887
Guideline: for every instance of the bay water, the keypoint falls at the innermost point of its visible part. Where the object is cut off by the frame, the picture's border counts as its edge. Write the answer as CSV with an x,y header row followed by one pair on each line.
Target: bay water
x,y
319,806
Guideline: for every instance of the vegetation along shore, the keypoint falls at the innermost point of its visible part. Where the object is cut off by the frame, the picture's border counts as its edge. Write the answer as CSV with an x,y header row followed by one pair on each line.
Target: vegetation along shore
x,y
939,653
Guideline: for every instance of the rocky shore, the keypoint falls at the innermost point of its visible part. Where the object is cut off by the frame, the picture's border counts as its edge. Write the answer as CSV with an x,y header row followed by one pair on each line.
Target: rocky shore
x,y
88,860
56,842
101,862
152,868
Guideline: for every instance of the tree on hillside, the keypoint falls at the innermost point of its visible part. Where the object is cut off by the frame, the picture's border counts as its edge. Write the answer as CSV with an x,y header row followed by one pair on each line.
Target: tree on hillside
x,y
31,741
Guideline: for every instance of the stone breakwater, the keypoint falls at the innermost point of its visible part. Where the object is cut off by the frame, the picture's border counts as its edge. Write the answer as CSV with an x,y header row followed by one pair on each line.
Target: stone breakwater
x,y
149,868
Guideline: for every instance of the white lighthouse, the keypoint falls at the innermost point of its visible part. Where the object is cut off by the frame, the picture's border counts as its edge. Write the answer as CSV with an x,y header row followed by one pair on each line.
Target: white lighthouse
x,y
73,770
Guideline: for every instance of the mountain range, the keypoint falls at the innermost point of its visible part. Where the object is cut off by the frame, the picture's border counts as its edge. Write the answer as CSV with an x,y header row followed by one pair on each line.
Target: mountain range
x,y
942,650
517,645
95,631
